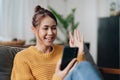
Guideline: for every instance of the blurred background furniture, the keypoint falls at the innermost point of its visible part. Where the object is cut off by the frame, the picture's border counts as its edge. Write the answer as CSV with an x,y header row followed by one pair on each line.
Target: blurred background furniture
x,y
108,47
13,43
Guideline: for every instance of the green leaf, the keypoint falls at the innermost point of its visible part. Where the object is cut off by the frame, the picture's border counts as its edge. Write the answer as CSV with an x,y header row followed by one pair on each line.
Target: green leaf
x,y
59,17
75,26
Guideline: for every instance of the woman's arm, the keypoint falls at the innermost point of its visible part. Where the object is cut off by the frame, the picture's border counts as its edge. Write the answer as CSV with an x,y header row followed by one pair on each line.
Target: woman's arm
x,y
21,70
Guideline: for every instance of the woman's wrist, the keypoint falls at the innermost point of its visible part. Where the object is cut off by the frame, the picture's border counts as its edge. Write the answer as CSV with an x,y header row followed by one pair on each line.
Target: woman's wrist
x,y
81,53
81,57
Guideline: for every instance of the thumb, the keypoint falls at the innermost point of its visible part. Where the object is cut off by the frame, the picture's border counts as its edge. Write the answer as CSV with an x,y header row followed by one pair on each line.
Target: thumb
x,y
70,65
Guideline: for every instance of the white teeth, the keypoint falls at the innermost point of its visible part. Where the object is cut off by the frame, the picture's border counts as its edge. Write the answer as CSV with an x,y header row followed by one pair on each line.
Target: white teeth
x,y
49,39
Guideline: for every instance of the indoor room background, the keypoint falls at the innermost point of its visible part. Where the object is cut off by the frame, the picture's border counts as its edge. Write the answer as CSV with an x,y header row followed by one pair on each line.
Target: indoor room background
x,y
16,18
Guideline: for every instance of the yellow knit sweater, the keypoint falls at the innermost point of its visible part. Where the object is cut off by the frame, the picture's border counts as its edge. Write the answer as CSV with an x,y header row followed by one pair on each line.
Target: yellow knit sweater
x,y
31,64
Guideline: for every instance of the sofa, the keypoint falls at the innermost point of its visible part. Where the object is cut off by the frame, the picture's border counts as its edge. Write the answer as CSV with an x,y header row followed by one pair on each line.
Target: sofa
x,y
7,54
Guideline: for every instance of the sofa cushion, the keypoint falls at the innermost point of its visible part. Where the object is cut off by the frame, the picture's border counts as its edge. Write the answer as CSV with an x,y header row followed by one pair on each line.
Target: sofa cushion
x,y
6,61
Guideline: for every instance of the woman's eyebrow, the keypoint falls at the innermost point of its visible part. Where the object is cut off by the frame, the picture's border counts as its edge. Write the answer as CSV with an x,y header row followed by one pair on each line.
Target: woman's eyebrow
x,y
49,26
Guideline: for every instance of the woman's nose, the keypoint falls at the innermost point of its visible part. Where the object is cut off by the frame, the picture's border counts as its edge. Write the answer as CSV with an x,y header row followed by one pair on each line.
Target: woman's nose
x,y
50,31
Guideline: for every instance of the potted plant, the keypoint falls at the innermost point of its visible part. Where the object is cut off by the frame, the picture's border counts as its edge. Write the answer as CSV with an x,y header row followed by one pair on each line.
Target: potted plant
x,y
65,24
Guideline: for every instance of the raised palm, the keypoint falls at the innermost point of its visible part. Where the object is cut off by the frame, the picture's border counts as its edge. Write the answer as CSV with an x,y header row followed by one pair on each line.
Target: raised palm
x,y
76,41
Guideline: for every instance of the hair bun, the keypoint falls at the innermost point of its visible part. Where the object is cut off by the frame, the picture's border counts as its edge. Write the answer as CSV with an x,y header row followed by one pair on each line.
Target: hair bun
x,y
37,8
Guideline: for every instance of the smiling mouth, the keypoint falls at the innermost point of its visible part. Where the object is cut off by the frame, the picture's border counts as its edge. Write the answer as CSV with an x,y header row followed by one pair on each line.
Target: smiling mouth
x,y
49,39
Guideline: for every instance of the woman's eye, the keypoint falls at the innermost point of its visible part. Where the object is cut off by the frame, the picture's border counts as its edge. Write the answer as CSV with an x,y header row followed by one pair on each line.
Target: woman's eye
x,y
45,28
54,28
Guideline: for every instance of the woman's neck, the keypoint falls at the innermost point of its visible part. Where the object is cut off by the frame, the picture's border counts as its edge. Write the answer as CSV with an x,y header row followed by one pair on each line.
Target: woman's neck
x,y
44,49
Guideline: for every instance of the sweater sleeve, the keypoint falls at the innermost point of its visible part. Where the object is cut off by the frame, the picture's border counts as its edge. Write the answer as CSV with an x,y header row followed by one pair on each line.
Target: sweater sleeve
x,y
81,57
21,70
55,77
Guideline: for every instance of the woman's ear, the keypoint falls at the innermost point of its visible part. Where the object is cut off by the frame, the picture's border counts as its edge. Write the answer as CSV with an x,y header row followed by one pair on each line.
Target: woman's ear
x,y
33,29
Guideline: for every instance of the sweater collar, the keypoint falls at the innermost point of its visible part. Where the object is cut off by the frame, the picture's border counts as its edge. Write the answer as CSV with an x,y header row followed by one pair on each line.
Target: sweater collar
x,y
41,53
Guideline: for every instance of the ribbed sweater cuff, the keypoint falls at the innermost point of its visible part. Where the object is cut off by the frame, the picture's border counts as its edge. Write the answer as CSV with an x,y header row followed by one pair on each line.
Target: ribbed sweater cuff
x,y
81,57
55,77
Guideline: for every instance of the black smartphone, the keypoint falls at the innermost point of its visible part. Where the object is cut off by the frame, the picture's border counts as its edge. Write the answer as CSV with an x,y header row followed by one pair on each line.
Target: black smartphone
x,y
68,54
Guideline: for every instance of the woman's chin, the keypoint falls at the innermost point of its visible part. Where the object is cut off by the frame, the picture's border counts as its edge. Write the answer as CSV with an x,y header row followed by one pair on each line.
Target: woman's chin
x,y
49,44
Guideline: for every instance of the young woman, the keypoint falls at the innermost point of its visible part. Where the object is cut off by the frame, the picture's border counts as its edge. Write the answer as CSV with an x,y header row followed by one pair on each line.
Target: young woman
x,y
43,61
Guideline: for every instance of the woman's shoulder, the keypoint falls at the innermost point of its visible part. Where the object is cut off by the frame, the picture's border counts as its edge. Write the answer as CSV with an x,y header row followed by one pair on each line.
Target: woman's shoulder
x,y
58,46
24,52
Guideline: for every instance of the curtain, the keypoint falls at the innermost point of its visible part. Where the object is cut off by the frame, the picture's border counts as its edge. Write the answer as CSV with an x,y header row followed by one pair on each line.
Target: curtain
x,y
16,18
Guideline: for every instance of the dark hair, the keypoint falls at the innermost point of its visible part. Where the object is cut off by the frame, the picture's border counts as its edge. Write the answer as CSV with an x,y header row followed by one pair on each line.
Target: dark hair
x,y
41,13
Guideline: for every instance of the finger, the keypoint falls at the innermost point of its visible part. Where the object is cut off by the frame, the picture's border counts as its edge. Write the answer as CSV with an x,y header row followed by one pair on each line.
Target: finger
x,y
58,65
82,38
78,36
71,42
74,66
70,65
71,36
82,41
75,35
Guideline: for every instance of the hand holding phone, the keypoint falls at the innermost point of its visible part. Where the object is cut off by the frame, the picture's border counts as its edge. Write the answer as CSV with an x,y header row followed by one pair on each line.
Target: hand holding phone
x,y
68,54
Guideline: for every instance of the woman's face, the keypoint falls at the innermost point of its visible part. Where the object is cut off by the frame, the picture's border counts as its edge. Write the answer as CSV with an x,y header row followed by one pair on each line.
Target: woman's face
x,y
46,32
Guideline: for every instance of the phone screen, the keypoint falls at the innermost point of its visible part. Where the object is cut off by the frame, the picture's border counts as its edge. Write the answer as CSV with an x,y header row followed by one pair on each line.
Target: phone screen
x,y
68,54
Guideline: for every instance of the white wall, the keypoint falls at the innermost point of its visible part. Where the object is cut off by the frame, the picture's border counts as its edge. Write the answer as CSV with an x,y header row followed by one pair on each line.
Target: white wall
x,y
104,7
86,14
